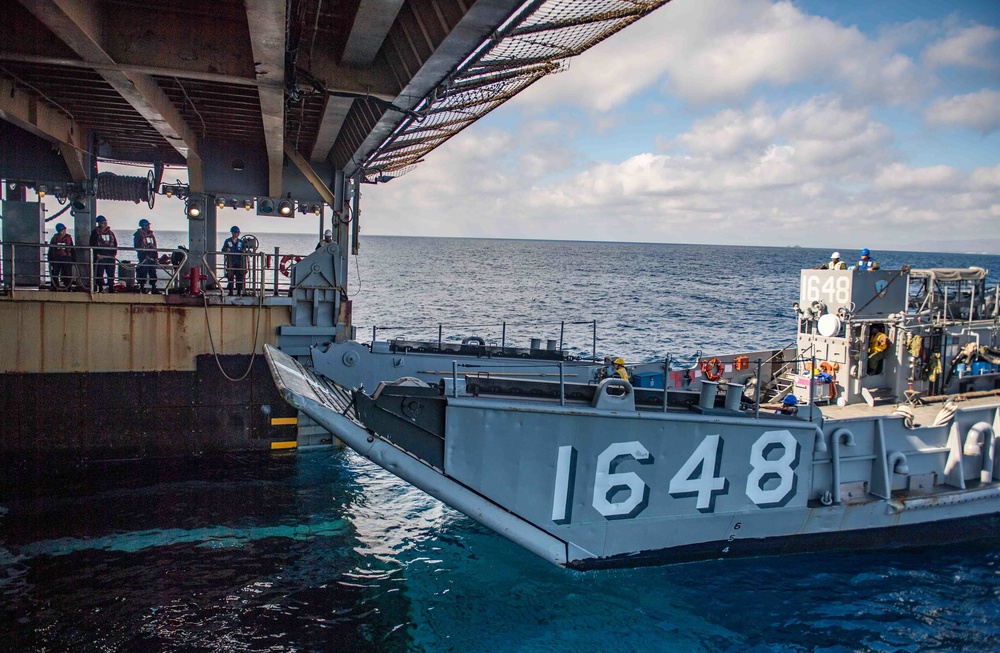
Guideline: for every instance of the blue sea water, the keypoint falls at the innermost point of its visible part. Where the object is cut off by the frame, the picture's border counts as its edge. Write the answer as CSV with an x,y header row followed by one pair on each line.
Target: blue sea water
x,y
322,551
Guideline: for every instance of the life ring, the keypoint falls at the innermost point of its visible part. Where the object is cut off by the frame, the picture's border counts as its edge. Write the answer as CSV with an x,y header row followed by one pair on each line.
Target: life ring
x,y
287,261
474,340
712,369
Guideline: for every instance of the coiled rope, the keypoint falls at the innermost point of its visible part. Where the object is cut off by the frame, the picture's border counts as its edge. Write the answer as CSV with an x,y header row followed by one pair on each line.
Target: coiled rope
x,y
122,188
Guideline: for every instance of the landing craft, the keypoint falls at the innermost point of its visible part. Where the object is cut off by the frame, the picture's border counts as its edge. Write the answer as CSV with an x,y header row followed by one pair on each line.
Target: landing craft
x,y
887,437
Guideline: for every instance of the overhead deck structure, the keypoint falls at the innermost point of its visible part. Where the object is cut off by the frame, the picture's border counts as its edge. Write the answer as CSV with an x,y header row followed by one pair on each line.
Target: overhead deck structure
x,y
266,103
362,87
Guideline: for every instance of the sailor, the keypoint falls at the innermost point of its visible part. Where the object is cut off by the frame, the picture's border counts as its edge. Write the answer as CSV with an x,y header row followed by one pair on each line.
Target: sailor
x,y
834,263
236,267
866,262
105,245
327,239
61,258
789,406
144,242
619,369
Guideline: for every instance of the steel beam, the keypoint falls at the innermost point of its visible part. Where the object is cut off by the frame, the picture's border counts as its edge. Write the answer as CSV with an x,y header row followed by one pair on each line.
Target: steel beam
x,y
267,39
78,24
179,73
310,174
371,24
33,115
334,114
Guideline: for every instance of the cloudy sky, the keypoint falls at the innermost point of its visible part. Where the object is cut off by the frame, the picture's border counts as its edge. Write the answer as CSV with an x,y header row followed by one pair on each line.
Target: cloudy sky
x,y
828,124
814,123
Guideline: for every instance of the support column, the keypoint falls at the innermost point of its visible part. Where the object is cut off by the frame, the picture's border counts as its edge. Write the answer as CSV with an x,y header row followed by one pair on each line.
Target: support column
x,y
202,236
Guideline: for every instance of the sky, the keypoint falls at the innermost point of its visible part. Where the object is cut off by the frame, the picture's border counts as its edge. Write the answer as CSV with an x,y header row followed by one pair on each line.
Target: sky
x,y
746,122
827,124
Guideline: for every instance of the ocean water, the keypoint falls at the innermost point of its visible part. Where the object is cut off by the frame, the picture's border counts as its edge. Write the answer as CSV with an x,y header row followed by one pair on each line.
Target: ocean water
x,y
322,551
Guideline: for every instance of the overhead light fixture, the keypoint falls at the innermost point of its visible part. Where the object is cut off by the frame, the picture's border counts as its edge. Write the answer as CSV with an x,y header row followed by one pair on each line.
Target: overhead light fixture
x,y
42,190
78,203
265,206
235,203
220,202
285,208
168,191
248,204
317,208
195,208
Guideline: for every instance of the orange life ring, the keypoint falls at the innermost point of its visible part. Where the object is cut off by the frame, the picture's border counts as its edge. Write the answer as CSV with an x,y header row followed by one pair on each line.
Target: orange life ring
x,y
287,261
712,369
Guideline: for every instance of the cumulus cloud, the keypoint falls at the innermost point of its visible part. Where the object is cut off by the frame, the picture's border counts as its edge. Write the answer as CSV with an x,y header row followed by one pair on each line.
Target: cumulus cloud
x,y
708,51
979,111
785,170
898,176
968,47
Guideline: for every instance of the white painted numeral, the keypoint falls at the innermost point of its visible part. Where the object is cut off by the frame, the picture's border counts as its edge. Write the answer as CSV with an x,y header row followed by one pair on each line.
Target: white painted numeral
x,y
843,290
765,470
707,483
607,480
812,288
560,498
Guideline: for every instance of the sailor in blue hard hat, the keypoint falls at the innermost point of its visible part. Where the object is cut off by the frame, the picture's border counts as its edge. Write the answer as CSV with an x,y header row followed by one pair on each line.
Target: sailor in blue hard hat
x,y
236,265
61,258
789,405
866,262
144,241
105,245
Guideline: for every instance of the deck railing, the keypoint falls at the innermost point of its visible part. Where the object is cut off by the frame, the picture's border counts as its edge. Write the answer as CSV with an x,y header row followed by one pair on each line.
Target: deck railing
x,y
26,266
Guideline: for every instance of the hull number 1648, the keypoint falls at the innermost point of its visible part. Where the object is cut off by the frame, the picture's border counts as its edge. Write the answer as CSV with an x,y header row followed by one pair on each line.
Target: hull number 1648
x,y
770,480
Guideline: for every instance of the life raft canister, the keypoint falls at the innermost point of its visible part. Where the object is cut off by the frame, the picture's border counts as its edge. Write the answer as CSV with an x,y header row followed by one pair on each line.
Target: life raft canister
x,y
712,369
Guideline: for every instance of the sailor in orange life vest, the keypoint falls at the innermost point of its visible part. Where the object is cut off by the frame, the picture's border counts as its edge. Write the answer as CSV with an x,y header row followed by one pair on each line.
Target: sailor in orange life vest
x,y
106,248
236,266
61,258
145,242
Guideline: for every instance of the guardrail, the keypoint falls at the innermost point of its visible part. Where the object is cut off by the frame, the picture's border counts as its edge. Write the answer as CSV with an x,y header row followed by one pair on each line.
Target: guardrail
x,y
26,266
263,273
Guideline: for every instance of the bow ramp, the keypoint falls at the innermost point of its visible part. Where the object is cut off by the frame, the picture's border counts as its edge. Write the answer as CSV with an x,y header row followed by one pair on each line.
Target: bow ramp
x,y
333,407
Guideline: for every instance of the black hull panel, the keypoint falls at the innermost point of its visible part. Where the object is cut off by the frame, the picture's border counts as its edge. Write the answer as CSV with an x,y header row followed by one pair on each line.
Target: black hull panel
x,y
107,415
948,531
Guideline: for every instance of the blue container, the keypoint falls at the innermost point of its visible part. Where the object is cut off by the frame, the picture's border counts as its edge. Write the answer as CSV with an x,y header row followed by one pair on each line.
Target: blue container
x,y
961,370
648,380
979,367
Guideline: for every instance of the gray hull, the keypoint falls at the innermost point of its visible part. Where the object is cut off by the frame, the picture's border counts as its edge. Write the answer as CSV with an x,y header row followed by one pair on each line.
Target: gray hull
x,y
603,484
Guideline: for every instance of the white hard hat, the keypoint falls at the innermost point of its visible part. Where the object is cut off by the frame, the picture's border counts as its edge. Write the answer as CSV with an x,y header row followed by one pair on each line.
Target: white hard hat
x,y
835,255
328,232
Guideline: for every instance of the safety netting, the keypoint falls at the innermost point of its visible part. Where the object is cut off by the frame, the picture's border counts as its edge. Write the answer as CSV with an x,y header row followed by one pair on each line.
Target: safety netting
x,y
538,40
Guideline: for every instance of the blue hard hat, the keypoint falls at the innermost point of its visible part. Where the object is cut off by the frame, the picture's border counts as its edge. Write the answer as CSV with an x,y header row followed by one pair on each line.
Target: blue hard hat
x,y
60,227
865,252
144,222
234,230
101,218
790,400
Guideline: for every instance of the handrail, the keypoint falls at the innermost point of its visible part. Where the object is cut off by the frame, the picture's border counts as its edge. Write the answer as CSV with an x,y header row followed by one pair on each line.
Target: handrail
x,y
45,274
